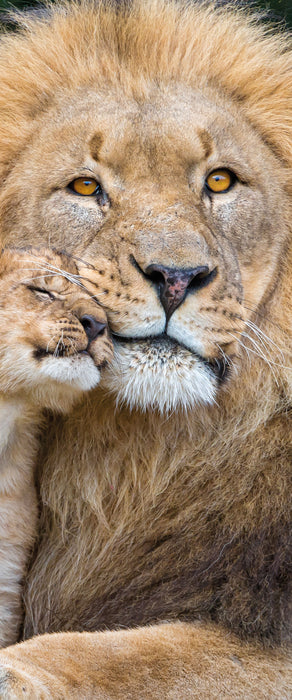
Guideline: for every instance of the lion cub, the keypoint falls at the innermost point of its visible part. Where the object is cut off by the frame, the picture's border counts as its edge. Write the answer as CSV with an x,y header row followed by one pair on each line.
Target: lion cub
x,y
54,339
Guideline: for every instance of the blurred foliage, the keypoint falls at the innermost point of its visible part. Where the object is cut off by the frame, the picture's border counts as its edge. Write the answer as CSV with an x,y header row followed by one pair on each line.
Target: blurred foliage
x,y
277,9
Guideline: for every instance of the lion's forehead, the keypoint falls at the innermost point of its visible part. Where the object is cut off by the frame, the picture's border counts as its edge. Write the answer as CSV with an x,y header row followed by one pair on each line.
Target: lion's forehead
x,y
184,124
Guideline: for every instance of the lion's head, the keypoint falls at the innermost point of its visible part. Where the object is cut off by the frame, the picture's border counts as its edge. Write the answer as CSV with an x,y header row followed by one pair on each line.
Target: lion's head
x,y
54,337
166,166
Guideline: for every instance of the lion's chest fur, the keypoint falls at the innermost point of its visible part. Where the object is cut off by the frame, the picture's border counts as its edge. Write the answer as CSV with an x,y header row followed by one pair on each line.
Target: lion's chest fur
x,y
158,521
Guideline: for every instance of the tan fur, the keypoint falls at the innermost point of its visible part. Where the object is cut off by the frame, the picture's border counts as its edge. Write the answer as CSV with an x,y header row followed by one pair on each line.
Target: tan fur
x,y
32,320
178,504
168,661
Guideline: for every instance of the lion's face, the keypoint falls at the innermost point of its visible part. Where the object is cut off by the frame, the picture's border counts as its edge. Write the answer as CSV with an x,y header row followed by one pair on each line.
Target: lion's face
x,y
182,225
54,337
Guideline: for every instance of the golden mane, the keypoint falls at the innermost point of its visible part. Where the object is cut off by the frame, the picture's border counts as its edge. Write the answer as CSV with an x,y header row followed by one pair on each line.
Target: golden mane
x,y
254,67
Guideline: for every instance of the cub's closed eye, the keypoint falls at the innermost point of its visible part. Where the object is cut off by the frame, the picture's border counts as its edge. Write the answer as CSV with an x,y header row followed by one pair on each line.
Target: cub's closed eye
x,y
43,292
85,186
220,180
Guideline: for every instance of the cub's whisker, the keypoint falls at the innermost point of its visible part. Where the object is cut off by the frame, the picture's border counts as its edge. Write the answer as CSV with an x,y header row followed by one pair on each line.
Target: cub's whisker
x,y
49,342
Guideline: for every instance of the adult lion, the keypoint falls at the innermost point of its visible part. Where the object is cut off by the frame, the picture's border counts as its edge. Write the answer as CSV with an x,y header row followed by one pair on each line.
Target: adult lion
x,y
154,141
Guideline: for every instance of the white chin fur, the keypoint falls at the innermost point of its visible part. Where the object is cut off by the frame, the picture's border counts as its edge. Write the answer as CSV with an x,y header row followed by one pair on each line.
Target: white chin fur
x,y
78,371
155,375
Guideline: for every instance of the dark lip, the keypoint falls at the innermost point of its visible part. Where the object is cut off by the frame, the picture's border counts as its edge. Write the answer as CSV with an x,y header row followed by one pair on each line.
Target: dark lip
x,y
39,353
218,367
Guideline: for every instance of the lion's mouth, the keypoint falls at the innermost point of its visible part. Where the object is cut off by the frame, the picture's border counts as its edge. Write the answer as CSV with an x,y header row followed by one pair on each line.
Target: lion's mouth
x,y
40,353
217,365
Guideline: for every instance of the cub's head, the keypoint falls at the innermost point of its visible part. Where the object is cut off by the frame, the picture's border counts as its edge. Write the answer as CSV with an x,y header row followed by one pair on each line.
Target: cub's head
x,y
54,336
160,152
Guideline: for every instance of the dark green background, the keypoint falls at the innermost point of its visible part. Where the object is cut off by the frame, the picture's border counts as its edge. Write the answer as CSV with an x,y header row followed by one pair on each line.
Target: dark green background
x,y
279,9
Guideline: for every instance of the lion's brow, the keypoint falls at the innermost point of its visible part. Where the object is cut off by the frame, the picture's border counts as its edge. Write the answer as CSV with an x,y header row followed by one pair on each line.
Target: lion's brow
x,y
95,145
206,141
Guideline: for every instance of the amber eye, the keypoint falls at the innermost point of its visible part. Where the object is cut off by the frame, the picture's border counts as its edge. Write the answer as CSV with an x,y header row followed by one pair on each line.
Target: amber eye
x,y
85,186
220,180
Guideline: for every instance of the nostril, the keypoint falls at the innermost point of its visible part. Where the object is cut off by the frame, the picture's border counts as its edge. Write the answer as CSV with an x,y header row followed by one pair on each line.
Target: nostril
x,y
155,275
202,277
93,328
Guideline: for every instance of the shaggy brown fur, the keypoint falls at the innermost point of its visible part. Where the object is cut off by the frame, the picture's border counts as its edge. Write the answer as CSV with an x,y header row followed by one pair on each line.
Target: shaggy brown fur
x,y
166,496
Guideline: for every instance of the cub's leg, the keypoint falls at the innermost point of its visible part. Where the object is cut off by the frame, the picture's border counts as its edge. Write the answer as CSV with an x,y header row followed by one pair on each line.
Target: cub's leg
x,y
18,510
18,525
167,661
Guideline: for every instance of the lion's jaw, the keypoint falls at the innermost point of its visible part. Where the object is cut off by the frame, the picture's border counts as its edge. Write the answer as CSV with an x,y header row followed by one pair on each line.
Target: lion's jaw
x,y
158,373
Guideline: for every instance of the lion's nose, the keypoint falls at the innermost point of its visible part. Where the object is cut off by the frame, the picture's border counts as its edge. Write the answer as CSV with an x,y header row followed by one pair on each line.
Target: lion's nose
x,y
93,328
173,284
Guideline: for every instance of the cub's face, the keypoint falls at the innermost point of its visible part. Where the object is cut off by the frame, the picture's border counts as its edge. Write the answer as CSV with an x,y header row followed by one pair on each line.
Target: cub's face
x,y
54,336
177,204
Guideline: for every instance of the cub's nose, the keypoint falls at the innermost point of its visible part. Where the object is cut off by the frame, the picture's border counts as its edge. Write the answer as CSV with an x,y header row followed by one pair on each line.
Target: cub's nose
x,y
93,328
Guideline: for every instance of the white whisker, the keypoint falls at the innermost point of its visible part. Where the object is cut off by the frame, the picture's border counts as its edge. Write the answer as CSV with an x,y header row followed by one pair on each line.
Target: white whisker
x,y
226,359
49,342
261,335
